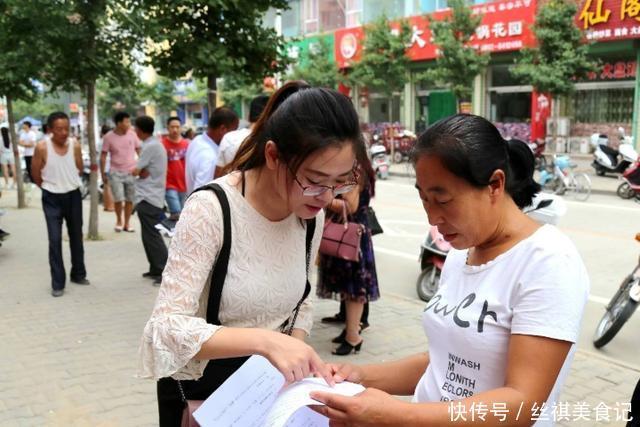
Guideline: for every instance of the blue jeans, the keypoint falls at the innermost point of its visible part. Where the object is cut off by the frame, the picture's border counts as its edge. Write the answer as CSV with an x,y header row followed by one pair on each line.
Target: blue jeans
x,y
175,200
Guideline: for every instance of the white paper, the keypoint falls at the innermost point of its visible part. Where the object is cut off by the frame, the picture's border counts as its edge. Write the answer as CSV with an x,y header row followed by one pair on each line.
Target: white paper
x,y
253,397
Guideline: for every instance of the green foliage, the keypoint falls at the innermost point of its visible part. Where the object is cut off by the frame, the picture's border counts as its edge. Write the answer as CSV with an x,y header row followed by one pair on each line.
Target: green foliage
x,y
112,98
384,64
38,107
458,63
198,92
23,51
561,55
236,90
318,70
212,38
160,93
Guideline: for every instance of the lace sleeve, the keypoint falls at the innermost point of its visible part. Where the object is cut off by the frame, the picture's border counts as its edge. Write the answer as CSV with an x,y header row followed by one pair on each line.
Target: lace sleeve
x,y
176,330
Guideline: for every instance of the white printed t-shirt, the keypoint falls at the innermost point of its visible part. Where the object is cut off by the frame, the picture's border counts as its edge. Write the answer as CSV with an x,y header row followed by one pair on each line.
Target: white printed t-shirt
x,y
538,287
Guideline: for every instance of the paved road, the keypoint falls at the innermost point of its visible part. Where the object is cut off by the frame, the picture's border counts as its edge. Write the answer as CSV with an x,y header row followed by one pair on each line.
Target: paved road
x,y
71,360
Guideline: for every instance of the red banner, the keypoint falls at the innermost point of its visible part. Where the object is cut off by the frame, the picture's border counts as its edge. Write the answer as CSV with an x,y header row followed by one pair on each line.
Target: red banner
x,y
609,19
505,26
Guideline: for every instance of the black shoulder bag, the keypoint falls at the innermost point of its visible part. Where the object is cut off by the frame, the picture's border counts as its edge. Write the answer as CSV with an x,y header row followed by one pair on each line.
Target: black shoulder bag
x,y
173,394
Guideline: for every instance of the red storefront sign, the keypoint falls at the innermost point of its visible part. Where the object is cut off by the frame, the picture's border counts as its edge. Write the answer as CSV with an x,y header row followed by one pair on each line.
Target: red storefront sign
x,y
615,71
505,26
609,19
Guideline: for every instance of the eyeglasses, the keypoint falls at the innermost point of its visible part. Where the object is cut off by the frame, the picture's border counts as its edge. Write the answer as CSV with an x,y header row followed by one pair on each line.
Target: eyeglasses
x,y
316,190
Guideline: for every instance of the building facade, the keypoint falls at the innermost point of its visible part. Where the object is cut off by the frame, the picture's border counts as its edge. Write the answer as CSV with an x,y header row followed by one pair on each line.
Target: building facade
x,y
608,99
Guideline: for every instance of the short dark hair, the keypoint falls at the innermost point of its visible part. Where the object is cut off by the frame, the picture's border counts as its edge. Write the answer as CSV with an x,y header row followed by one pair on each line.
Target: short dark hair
x,y
472,148
172,118
222,116
146,124
120,116
56,115
257,106
28,123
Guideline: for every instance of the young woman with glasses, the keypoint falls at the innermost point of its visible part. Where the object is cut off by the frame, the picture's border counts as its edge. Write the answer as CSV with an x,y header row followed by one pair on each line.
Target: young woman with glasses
x,y
299,155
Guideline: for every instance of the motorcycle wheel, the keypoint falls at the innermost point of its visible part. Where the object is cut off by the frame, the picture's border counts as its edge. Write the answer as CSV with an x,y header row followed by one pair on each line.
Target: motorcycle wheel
x,y
84,188
581,187
600,171
398,157
624,190
428,282
618,312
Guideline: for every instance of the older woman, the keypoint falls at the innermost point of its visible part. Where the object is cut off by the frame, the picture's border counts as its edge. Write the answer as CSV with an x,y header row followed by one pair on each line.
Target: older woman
x,y
502,327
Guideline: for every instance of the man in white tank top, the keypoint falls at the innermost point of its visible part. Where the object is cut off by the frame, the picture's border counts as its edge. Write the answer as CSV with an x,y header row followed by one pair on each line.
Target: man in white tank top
x,y
56,168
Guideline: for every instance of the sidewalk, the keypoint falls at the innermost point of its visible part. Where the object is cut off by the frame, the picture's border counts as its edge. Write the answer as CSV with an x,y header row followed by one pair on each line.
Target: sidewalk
x,y
71,361
606,185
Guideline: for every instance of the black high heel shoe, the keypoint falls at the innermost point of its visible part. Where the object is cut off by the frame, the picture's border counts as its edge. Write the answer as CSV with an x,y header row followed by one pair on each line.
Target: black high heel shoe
x,y
345,348
343,334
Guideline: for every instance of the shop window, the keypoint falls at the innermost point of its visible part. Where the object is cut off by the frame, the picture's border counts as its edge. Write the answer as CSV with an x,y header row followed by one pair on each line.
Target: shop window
x,y
374,8
501,76
310,13
602,105
428,6
511,107
354,13
331,15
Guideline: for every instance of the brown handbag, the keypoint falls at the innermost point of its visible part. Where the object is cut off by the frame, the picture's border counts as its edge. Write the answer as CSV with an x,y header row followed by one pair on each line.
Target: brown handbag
x,y
342,239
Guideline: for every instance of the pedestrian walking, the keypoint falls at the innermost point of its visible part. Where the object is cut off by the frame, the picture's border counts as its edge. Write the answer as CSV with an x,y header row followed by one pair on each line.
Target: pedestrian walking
x,y
27,140
354,282
232,140
7,159
202,154
176,147
56,169
122,145
237,275
151,171
107,196
503,325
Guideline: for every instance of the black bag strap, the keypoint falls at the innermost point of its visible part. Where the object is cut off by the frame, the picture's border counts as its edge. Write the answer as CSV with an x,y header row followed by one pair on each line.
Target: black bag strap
x,y
220,267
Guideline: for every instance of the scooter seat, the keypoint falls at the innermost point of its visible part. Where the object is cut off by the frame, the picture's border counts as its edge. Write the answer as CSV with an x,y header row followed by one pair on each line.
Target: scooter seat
x,y
611,154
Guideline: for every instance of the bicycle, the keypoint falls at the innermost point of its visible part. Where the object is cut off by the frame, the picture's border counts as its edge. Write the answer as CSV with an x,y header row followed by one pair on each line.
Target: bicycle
x,y
564,180
620,308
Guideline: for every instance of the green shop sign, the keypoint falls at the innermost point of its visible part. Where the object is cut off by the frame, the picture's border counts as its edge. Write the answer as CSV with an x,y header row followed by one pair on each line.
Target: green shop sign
x,y
298,49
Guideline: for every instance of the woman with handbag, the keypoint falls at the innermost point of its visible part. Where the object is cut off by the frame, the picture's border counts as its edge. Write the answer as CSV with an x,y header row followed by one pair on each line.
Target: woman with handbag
x,y
353,279
237,275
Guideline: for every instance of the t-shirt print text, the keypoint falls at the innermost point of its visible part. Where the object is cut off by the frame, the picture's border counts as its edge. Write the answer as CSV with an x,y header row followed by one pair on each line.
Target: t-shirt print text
x,y
457,311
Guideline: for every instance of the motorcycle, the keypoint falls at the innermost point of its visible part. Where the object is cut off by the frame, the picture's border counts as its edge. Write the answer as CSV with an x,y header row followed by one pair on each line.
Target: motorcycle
x,y
620,308
85,178
563,180
379,160
545,209
537,147
630,186
609,160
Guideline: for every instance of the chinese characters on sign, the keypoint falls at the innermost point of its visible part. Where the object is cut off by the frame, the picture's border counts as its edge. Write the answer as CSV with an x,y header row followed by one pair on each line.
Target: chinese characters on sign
x,y
610,19
615,71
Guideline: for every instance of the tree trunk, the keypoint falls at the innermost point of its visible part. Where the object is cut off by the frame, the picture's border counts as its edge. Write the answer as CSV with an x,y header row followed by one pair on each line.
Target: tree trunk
x,y
16,153
211,95
93,180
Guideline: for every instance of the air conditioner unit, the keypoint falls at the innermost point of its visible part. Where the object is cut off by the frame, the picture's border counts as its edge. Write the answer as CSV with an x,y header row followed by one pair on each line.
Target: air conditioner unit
x,y
564,126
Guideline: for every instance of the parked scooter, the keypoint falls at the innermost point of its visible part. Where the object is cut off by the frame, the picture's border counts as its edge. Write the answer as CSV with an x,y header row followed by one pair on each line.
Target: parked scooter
x,y
609,160
630,186
620,308
379,159
85,178
545,209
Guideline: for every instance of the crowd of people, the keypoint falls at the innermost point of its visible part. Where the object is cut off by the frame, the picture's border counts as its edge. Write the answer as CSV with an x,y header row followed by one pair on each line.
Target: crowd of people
x,y
252,206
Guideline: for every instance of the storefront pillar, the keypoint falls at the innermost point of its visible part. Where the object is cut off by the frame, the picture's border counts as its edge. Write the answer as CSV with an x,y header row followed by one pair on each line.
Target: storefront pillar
x,y
635,124
478,97
409,116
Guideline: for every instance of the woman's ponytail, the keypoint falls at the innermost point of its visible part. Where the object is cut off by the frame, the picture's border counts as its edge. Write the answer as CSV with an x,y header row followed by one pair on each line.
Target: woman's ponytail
x,y
520,183
250,154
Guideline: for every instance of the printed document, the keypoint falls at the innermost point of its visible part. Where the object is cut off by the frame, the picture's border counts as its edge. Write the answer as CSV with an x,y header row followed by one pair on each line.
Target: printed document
x,y
254,397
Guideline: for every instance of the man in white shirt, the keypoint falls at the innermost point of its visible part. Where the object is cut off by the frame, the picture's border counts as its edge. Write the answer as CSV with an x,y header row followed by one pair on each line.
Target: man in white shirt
x,y
202,154
28,139
232,140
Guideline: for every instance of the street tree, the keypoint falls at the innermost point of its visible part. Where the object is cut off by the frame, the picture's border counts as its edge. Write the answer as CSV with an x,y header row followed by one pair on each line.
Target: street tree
x,y
384,64
238,89
560,57
160,93
457,63
317,68
115,97
21,63
90,40
212,39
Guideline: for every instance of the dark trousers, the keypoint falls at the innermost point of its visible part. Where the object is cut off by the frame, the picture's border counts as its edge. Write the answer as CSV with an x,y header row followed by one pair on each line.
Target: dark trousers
x,y
152,241
67,207
27,162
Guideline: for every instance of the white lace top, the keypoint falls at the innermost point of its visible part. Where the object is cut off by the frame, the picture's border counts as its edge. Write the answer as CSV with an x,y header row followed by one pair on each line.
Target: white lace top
x,y
265,280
